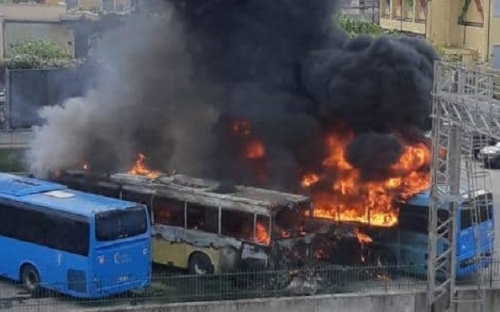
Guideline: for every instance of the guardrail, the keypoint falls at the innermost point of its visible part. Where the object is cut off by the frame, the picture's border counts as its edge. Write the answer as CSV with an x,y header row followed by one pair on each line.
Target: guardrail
x,y
15,139
169,288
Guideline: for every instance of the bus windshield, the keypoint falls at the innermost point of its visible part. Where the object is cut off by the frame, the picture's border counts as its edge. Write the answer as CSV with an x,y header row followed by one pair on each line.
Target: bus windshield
x,y
118,224
483,203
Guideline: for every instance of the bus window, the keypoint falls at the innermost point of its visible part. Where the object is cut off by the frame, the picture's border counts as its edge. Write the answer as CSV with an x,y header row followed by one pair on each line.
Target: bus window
x,y
116,224
289,222
50,230
466,216
202,218
109,190
237,224
66,234
262,230
484,203
168,212
138,197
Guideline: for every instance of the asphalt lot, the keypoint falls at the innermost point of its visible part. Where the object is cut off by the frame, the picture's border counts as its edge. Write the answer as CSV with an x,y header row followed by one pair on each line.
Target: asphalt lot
x,y
14,298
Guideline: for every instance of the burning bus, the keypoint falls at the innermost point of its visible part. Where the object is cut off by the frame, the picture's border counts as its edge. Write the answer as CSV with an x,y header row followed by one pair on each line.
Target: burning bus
x,y
208,227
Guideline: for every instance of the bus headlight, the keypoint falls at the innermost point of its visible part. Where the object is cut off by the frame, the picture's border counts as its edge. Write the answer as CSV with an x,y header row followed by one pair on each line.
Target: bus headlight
x,y
101,259
145,251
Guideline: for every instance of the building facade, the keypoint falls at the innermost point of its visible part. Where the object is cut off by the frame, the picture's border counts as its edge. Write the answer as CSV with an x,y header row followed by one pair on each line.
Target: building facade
x,y
364,10
99,5
26,21
469,28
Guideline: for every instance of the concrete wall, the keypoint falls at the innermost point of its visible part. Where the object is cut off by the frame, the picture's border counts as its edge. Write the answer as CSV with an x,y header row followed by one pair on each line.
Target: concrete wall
x,y
397,301
32,12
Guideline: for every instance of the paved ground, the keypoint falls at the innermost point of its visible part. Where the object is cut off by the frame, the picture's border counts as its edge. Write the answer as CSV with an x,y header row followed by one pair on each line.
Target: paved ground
x,y
13,298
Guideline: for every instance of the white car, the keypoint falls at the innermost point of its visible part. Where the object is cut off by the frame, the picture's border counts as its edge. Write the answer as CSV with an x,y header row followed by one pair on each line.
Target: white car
x,y
489,152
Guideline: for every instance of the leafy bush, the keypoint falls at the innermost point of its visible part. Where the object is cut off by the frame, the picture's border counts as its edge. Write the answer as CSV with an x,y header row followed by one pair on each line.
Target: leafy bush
x,y
39,54
357,27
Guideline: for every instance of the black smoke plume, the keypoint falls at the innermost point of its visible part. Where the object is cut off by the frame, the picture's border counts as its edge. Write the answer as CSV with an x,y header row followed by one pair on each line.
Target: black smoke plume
x,y
176,84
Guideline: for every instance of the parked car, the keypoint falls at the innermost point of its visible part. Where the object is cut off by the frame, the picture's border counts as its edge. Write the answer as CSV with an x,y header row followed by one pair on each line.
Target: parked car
x,y
489,151
493,162
481,142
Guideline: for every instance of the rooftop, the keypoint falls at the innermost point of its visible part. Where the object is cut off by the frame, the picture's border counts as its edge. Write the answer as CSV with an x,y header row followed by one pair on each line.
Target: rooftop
x,y
56,196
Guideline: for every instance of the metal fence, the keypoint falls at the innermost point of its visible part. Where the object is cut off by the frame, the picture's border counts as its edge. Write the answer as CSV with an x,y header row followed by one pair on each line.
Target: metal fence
x,y
173,288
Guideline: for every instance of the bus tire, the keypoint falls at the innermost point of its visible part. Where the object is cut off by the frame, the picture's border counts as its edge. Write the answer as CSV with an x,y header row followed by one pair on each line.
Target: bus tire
x,y
200,264
30,279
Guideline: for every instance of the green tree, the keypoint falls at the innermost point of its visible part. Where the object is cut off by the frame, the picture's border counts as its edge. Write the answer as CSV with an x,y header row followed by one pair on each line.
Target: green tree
x,y
357,27
39,54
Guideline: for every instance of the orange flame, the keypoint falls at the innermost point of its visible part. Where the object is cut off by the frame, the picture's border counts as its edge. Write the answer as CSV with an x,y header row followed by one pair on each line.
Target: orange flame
x,y
262,234
309,179
140,168
363,238
253,149
353,200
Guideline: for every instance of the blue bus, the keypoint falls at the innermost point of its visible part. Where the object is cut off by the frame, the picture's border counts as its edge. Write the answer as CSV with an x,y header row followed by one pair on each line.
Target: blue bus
x,y
75,243
406,244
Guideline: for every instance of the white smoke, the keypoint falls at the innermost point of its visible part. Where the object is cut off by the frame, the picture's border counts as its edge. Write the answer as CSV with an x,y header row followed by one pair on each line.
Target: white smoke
x,y
144,102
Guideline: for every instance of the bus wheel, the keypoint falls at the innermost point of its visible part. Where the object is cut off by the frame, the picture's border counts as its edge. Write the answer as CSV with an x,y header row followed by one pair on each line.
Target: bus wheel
x,y
31,279
200,264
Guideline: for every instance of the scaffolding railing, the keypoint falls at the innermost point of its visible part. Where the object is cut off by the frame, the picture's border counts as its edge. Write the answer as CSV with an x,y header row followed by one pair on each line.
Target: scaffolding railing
x,y
465,114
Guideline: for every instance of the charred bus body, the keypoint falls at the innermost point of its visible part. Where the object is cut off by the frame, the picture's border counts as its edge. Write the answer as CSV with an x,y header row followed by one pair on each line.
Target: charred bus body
x,y
208,227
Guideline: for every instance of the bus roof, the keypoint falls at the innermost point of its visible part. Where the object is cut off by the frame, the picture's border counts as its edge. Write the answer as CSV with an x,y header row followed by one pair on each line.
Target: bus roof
x,y
423,198
212,193
55,196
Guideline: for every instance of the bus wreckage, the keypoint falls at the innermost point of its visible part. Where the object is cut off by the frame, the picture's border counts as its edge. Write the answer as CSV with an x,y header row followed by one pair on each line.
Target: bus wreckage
x,y
208,227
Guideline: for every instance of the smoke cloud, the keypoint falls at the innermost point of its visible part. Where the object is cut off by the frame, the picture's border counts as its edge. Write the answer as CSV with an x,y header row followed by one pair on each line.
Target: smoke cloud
x,y
175,86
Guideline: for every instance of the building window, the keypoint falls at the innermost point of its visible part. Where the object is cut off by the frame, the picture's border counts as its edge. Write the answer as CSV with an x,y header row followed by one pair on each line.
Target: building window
x,y
496,8
496,56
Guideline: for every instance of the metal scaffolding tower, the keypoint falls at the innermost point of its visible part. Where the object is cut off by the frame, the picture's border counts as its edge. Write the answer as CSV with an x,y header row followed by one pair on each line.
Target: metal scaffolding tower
x,y
465,108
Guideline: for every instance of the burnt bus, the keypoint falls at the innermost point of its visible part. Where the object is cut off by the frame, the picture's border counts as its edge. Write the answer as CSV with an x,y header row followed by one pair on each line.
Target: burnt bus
x,y
207,227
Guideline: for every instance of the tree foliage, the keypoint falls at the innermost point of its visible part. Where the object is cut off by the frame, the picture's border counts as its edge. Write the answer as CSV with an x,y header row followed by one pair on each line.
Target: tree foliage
x,y
39,54
357,27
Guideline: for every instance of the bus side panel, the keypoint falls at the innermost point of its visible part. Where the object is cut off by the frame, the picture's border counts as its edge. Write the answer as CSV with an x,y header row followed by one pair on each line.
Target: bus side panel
x,y
177,254
169,253
413,249
52,265
65,273
11,257
174,245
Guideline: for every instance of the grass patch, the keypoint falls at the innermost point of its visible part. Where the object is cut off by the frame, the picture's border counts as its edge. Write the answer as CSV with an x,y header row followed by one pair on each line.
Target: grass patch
x,y
11,160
